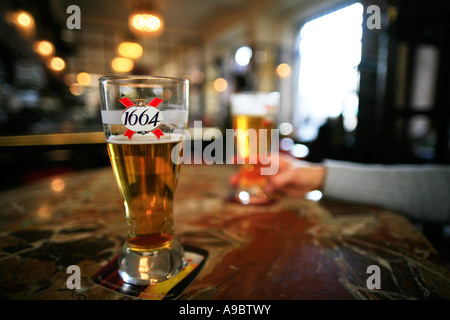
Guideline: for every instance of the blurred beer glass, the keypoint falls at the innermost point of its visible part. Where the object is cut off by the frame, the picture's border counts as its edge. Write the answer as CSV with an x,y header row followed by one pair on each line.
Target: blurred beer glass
x,y
144,119
253,117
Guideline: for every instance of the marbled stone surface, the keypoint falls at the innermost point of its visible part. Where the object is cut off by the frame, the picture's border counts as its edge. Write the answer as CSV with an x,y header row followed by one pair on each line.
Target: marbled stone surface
x,y
295,249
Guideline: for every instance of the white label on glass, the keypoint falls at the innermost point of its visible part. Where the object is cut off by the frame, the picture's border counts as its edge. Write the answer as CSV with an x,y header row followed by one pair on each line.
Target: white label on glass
x,y
140,119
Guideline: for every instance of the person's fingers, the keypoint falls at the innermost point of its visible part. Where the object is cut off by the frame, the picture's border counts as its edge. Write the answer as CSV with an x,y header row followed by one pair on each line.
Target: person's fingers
x,y
282,179
285,161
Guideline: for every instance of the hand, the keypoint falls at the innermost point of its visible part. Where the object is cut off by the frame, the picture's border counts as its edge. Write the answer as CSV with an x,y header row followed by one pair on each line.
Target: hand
x,y
296,177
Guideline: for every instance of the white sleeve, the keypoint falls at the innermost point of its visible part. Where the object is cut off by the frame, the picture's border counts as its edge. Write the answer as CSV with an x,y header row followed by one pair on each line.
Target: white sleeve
x,y
421,192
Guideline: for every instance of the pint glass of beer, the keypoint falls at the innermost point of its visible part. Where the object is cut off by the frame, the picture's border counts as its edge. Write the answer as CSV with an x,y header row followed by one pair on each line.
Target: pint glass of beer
x,y
144,119
253,117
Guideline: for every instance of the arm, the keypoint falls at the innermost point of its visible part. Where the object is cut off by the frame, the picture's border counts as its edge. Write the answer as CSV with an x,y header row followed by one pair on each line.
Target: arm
x,y
419,191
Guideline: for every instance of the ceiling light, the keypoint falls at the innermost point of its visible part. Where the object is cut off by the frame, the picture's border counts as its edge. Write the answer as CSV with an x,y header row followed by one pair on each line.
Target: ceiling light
x,y
283,70
146,23
84,78
57,64
76,89
130,50
220,84
243,56
122,64
24,19
44,48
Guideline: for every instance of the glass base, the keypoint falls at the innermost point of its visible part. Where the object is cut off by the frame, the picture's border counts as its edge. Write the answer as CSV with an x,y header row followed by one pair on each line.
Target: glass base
x,y
151,267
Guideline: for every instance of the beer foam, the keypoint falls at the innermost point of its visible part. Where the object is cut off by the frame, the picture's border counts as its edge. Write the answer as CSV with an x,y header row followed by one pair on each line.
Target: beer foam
x,y
253,104
146,139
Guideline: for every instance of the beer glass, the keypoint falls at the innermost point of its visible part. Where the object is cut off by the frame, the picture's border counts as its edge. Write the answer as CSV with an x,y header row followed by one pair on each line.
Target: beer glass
x,y
144,119
253,117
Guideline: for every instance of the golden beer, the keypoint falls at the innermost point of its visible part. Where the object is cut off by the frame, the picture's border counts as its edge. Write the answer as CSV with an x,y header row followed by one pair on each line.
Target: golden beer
x,y
144,119
253,118
246,143
147,178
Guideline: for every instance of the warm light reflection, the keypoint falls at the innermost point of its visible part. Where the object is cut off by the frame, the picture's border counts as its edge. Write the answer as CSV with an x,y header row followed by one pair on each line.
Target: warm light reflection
x,y
220,84
146,23
76,89
130,50
57,64
57,185
84,78
143,268
122,64
283,70
44,48
44,212
24,19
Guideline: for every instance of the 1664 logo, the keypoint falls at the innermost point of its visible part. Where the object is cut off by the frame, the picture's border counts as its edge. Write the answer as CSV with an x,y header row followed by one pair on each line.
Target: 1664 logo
x,y
142,118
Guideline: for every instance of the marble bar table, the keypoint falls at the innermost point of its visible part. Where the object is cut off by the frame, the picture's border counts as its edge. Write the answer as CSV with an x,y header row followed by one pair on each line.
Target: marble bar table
x,y
294,249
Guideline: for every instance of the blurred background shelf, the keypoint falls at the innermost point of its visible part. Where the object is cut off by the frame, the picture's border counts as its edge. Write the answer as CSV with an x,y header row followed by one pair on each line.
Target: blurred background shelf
x,y
53,139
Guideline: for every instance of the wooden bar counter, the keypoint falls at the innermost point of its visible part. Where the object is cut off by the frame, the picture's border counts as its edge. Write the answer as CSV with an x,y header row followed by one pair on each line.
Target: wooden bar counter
x,y
294,249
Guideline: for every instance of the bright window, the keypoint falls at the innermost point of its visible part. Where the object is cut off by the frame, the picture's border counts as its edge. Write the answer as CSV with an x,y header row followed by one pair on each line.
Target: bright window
x,y
330,52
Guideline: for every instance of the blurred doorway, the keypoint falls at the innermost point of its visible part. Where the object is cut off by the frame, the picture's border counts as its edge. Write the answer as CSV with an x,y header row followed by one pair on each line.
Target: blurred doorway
x,y
328,77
